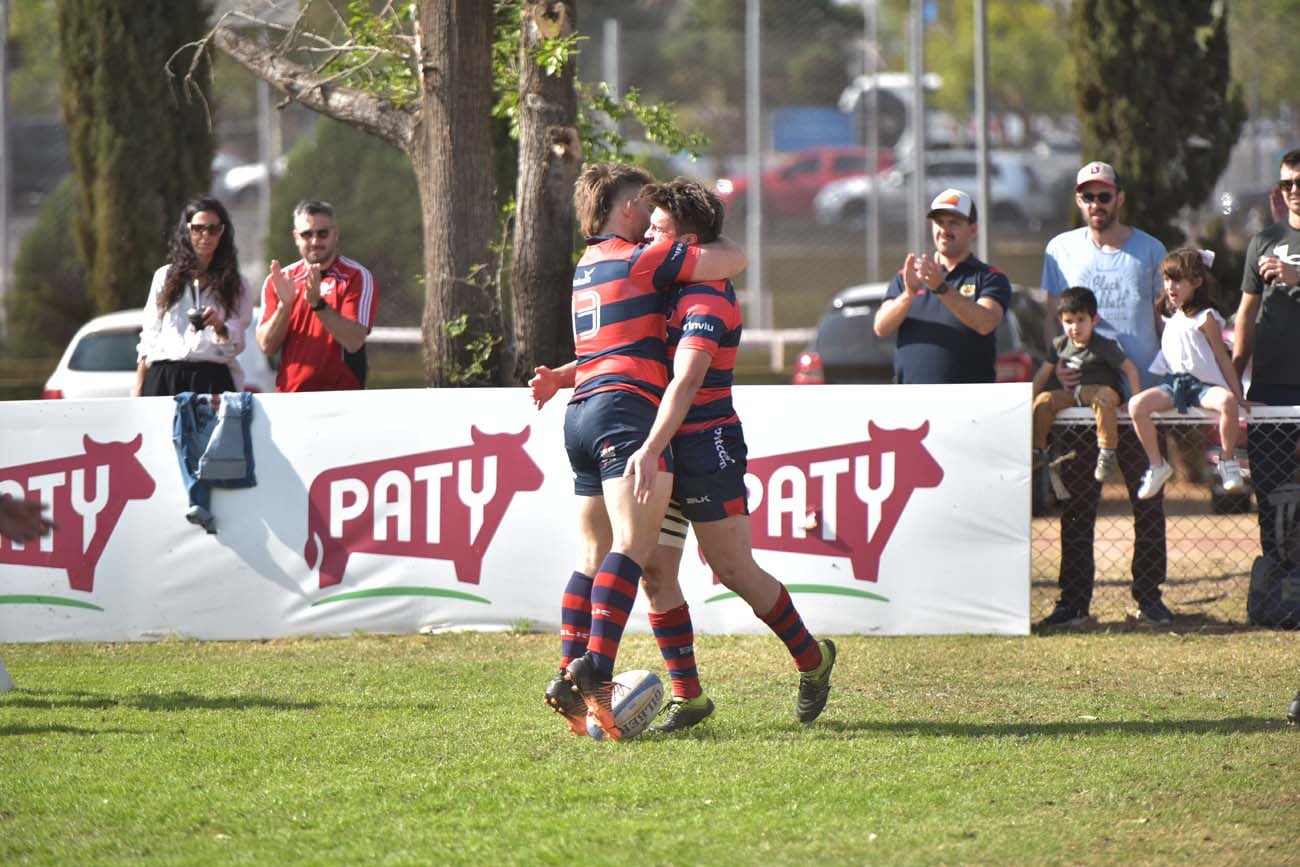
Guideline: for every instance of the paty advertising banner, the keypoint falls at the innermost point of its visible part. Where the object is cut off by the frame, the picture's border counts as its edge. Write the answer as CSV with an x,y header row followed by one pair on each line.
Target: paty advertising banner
x,y
885,509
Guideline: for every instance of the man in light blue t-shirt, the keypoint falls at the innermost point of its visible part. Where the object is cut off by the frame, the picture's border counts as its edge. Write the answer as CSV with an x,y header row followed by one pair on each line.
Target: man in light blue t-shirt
x,y
1121,265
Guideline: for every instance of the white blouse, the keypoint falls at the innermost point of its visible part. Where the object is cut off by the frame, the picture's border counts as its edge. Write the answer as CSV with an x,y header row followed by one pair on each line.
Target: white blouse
x,y
167,336
1184,348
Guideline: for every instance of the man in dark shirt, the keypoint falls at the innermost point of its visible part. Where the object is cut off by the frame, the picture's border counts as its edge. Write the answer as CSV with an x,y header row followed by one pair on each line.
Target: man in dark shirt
x,y
946,308
1267,332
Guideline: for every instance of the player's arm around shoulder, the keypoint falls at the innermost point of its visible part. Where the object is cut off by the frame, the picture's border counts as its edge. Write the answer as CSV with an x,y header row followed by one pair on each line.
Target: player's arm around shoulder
x,y
718,260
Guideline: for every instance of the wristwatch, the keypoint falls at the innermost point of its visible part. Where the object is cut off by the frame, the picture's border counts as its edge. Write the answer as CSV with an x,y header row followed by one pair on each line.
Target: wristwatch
x,y
319,305
940,289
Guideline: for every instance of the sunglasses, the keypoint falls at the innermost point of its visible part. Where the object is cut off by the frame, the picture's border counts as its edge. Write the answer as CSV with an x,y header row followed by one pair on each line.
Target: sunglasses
x,y
1287,185
213,229
1102,198
318,234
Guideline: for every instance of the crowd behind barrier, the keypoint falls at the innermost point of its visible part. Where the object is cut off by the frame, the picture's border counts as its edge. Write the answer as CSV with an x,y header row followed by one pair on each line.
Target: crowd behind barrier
x,y
1213,549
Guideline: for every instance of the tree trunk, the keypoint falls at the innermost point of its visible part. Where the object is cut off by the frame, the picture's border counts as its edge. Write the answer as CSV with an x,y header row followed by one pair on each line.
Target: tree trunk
x,y
452,157
550,157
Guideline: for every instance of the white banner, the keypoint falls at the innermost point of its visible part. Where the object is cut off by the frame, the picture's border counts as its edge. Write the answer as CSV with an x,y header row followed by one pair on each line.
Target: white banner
x,y
885,509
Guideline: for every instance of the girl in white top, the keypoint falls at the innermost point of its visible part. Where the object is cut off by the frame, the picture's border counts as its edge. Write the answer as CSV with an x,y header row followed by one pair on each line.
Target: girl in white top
x,y
199,309
1197,368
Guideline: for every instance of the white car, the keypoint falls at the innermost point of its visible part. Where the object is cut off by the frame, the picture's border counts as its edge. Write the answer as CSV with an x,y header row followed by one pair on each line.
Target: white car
x,y
1019,196
100,360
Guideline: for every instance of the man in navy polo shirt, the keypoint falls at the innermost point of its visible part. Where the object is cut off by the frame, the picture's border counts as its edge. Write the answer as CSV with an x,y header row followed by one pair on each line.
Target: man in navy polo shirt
x,y
946,308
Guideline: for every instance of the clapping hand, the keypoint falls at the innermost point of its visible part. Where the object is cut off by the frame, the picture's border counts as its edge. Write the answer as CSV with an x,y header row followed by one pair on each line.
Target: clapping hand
x,y
280,282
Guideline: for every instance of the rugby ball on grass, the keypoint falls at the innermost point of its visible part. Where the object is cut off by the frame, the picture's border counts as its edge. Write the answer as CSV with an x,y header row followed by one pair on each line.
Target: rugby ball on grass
x,y
637,696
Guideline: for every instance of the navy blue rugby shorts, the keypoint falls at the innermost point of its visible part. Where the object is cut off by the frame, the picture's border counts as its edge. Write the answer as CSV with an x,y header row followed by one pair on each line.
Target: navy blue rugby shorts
x,y
601,432
709,479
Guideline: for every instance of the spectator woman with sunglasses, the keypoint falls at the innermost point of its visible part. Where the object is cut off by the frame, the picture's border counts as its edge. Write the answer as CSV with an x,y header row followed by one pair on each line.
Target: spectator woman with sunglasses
x,y
198,310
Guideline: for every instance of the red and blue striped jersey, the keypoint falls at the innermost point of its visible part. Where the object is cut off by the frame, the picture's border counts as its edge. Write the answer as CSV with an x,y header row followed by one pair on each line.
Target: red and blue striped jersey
x,y
706,317
620,309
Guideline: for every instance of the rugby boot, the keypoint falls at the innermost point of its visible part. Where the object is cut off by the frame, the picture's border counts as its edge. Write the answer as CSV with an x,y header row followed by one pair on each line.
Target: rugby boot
x,y
597,691
815,685
682,713
563,699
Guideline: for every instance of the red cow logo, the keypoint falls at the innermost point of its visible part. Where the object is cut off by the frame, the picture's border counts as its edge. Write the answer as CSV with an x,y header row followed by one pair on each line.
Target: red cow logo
x,y
86,494
840,501
443,505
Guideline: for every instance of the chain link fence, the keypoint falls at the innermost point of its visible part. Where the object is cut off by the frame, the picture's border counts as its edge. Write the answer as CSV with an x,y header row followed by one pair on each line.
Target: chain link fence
x,y
1196,547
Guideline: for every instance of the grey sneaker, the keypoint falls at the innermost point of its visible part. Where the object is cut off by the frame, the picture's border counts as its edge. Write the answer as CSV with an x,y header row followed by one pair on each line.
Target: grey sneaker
x,y
682,713
815,685
1106,464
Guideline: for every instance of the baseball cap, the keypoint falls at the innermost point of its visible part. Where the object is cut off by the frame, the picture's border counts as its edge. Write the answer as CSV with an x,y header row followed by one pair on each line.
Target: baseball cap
x,y
952,200
1102,173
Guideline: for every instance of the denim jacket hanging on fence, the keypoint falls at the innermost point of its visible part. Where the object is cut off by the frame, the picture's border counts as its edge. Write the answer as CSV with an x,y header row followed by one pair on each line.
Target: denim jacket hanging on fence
x,y
213,447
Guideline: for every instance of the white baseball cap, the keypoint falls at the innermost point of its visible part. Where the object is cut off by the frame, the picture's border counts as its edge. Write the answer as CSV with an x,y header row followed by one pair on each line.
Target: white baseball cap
x,y
952,200
1098,172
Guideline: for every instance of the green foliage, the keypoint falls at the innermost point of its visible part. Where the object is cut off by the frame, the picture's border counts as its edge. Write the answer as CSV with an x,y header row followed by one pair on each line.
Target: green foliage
x,y
139,142
382,61
478,348
46,302
1029,61
34,58
1263,40
600,112
438,750
701,49
1169,142
372,188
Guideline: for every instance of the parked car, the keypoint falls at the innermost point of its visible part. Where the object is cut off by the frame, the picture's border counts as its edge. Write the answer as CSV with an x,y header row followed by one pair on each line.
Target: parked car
x,y
1019,195
846,349
239,184
100,360
790,185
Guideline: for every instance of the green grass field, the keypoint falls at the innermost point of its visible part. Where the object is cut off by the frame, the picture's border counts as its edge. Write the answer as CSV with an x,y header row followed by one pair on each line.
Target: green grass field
x,y
1098,748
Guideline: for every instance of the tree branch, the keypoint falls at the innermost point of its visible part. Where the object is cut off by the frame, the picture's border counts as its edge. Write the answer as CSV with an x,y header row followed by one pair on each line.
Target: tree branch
x,y
357,108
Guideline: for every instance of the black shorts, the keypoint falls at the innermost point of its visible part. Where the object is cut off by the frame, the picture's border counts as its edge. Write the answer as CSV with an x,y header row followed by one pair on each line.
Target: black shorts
x,y
601,432
709,480
170,378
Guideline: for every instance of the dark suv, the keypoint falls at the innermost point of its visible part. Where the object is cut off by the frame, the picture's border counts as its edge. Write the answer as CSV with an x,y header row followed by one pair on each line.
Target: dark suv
x,y
847,350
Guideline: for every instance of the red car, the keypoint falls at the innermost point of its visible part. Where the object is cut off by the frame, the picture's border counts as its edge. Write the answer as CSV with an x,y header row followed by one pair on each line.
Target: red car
x,y
790,186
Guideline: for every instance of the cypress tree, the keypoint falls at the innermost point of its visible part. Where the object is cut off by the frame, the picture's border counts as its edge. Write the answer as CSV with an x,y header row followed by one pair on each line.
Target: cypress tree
x,y
139,145
1156,100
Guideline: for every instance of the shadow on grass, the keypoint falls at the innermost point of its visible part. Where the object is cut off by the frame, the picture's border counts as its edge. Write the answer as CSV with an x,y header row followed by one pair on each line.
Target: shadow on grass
x,y
179,700
17,731
1228,725
1184,624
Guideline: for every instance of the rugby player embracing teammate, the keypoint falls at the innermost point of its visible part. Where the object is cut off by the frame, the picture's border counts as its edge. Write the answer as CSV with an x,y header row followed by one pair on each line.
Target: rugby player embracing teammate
x,y
619,323
698,425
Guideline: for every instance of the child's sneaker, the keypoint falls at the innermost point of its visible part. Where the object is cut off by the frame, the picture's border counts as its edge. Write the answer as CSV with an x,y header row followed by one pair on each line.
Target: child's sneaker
x,y
1230,471
1153,480
1106,464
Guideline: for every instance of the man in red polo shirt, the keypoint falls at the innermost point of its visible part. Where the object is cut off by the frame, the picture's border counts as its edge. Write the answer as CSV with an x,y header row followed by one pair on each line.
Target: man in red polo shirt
x,y
318,311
